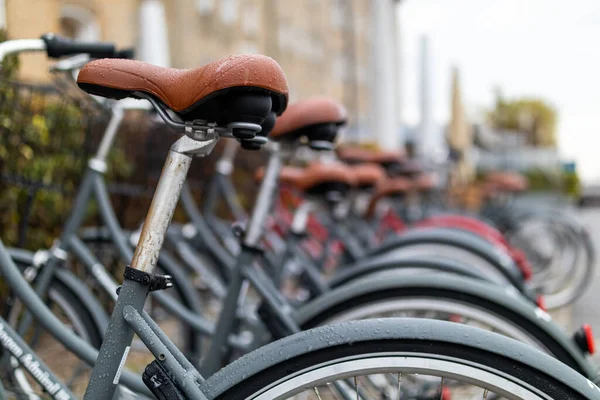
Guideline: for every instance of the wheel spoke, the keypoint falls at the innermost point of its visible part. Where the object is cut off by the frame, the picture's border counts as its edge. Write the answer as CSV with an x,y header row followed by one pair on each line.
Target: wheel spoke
x,y
316,389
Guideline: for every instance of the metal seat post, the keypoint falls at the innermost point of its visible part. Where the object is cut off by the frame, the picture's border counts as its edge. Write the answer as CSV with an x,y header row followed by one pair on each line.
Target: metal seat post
x,y
132,296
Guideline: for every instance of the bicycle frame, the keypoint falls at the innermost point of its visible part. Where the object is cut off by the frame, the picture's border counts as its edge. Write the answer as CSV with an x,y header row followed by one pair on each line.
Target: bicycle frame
x,y
93,188
221,185
11,273
18,351
129,318
128,315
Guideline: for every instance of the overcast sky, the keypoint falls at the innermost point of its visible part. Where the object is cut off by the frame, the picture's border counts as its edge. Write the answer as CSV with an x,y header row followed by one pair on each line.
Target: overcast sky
x,y
544,48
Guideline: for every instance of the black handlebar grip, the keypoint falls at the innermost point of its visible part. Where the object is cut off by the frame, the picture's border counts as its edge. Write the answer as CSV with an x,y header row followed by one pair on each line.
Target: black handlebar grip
x,y
125,53
57,46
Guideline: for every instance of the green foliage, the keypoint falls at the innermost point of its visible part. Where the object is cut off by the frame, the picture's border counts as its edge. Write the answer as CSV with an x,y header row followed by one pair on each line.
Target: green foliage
x,y
534,117
46,139
571,184
9,64
565,182
543,181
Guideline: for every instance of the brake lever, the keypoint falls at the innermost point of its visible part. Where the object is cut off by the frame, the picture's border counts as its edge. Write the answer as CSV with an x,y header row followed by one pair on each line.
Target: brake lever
x,y
71,64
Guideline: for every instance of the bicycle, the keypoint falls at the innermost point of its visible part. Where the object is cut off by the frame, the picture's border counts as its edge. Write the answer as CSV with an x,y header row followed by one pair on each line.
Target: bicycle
x,y
160,214
113,353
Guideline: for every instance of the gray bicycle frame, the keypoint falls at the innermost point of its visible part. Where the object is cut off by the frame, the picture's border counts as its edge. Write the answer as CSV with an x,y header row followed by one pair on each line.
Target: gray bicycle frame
x,y
17,350
221,185
318,285
93,188
93,184
44,316
127,316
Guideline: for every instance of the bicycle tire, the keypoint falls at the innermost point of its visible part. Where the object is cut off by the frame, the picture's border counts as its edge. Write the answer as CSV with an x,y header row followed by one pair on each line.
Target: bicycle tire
x,y
519,315
478,252
404,339
579,274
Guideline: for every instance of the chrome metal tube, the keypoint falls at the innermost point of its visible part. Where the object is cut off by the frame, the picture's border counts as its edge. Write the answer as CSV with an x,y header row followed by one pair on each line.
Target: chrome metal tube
x,y
264,201
301,215
110,133
225,164
20,46
161,211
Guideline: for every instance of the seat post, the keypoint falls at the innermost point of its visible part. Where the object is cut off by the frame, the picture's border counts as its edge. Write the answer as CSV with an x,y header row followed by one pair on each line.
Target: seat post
x,y
138,281
110,133
264,201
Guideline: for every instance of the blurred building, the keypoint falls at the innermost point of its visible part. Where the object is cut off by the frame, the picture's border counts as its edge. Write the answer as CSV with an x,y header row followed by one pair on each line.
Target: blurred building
x,y
325,47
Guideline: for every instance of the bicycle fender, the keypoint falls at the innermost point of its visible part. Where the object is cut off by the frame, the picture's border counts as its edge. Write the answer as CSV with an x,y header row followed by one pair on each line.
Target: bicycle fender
x,y
496,297
464,240
353,332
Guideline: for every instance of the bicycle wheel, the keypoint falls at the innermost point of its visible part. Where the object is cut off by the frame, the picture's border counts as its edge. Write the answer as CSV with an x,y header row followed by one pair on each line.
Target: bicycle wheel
x,y
68,367
560,253
448,298
398,359
457,245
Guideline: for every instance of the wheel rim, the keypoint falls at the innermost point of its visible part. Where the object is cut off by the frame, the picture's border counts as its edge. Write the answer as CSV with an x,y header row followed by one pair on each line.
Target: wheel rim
x,y
318,381
561,277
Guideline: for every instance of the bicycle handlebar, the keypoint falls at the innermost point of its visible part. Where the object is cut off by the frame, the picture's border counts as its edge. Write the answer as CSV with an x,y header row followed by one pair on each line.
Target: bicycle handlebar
x,y
57,46
21,46
70,64
125,53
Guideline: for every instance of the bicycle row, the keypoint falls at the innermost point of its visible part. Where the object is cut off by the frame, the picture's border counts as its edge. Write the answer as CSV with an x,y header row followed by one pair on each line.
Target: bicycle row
x,y
347,279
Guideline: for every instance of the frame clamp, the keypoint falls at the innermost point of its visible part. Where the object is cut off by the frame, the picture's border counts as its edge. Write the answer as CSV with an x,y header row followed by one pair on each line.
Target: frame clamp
x,y
253,249
154,282
239,230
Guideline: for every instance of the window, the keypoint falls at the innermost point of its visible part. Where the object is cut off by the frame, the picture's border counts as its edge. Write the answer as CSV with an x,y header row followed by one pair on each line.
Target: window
x,y
362,75
292,94
338,68
229,10
247,47
2,14
342,67
251,20
205,7
338,14
284,34
79,23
